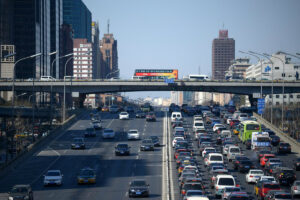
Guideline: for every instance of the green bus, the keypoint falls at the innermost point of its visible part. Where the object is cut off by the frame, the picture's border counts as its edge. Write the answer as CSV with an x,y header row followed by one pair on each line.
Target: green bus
x,y
246,128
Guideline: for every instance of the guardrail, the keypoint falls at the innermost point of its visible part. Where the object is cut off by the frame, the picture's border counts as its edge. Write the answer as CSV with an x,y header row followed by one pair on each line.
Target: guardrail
x,y
294,144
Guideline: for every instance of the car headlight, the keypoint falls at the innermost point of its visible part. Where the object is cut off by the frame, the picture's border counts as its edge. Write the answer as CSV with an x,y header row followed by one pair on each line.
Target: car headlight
x,y
26,197
132,190
10,198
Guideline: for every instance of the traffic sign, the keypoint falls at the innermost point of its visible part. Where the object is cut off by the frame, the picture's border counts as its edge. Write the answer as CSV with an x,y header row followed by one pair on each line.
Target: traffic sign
x,y
171,80
256,95
260,106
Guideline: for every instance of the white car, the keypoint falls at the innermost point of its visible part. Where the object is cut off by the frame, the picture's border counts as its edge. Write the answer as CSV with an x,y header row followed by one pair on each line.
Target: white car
x,y
222,182
232,152
108,133
217,126
124,115
268,178
177,139
225,149
133,134
213,158
208,149
53,177
226,133
198,125
253,175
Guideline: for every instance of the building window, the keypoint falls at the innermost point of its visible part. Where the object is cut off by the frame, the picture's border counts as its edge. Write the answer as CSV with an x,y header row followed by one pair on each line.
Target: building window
x,y
284,96
291,96
284,103
298,96
270,103
277,68
277,103
277,96
270,96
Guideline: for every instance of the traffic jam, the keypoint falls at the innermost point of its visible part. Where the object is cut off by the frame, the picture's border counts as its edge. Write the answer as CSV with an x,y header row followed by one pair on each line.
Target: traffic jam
x,y
229,155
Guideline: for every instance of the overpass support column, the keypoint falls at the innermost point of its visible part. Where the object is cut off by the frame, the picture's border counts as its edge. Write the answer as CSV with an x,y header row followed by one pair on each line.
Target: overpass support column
x,y
253,101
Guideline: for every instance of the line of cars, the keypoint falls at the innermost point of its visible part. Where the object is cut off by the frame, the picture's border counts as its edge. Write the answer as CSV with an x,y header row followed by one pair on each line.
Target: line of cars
x,y
220,149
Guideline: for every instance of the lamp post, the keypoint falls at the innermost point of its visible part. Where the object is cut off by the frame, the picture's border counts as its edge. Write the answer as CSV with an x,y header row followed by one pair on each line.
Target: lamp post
x,y
111,73
258,58
13,86
283,77
64,108
51,95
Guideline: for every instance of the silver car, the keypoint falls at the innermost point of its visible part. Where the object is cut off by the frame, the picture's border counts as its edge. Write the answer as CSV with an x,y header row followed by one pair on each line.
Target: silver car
x,y
295,189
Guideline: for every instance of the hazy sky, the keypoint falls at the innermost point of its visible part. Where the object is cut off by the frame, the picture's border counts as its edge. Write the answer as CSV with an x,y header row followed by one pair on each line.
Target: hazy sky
x,y
178,34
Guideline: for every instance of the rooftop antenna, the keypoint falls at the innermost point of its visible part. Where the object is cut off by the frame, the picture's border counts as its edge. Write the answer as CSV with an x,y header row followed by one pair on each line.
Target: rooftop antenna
x,y
108,26
223,26
199,69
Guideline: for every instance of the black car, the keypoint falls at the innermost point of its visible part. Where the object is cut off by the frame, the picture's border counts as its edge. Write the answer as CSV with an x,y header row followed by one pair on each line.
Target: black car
x,y
237,161
22,192
138,188
140,114
155,140
248,144
122,149
147,145
274,140
284,175
78,143
297,164
284,147
90,132
129,109
245,165
271,168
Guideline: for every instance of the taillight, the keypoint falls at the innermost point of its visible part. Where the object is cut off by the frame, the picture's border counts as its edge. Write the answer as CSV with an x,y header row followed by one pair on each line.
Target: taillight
x,y
183,192
217,188
237,162
251,176
295,187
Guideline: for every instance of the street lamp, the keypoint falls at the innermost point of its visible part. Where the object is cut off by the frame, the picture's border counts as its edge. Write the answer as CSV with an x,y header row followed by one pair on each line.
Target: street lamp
x,y
112,73
51,95
13,86
283,77
64,108
259,60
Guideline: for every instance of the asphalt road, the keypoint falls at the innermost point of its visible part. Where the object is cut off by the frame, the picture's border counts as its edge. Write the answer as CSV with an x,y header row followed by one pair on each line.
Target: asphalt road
x,y
113,172
287,161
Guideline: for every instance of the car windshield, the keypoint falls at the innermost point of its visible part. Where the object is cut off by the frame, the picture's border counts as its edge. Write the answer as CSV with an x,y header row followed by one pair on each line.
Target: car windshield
x,y
198,124
194,193
122,146
123,113
232,189
252,127
226,181
239,198
272,186
235,150
285,144
257,172
133,132
192,187
216,158
109,131
246,162
19,190
147,141
263,139
53,174
288,171
78,140
138,183
86,173
283,196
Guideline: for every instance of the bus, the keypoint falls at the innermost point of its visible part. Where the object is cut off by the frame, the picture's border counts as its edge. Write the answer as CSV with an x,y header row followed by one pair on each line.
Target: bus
x,y
198,77
156,73
260,140
246,128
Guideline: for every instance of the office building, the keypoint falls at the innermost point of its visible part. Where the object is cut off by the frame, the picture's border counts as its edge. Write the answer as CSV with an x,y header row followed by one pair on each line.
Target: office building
x,y
32,36
56,20
108,48
280,68
79,16
223,53
237,70
83,66
66,47
96,50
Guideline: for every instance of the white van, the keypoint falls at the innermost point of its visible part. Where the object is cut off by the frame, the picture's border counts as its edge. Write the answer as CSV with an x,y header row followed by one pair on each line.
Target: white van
x,y
213,158
232,152
198,125
176,115
47,78
223,181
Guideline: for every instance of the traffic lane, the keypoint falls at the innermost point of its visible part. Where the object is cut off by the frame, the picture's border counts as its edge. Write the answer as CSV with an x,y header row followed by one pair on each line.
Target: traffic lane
x,y
33,169
35,165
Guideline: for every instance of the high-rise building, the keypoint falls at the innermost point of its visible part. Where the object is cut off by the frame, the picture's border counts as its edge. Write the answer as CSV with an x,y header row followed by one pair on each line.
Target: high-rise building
x,y
83,66
96,50
79,16
56,20
108,47
32,36
66,47
223,52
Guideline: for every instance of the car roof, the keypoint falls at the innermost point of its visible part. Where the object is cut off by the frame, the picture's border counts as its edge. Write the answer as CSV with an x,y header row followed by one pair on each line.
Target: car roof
x,y
224,176
54,170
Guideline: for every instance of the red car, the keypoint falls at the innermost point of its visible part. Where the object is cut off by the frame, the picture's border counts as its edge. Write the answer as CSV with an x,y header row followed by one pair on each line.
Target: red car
x,y
234,122
266,187
151,117
264,159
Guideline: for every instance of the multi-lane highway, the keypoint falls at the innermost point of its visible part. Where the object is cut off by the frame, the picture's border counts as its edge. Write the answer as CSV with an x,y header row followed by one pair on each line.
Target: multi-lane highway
x,y
113,172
